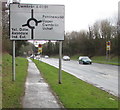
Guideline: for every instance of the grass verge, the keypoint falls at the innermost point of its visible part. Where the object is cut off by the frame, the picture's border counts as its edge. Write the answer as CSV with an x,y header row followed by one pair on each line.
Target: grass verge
x,y
75,93
12,92
103,60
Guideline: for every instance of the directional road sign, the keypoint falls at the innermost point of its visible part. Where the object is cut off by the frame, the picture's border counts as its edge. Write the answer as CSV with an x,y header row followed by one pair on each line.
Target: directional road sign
x,y
36,21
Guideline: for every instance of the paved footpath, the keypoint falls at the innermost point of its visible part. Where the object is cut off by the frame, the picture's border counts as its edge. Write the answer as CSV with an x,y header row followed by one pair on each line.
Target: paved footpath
x,y
37,91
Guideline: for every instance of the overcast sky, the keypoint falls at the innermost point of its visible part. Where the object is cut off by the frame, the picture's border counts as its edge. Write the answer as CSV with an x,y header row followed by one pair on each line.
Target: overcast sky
x,y
79,14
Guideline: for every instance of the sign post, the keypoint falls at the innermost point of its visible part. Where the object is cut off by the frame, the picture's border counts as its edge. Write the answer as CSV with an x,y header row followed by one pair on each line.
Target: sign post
x,y
13,61
40,51
37,22
108,48
60,63
13,57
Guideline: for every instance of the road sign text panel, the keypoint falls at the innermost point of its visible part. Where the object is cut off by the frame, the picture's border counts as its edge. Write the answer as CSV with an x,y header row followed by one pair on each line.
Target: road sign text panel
x,y
35,21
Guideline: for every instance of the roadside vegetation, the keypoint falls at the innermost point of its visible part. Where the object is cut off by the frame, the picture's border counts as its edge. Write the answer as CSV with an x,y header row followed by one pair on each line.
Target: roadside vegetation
x,y
12,91
103,60
75,93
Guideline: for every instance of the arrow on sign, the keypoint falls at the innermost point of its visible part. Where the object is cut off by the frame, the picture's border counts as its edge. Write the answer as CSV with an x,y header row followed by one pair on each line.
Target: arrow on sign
x,y
31,26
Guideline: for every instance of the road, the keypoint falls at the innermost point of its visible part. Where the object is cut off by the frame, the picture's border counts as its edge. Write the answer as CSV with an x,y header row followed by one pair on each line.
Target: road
x,y
102,76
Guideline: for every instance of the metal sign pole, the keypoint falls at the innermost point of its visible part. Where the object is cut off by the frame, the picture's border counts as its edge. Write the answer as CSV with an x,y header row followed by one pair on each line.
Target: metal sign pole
x,y
106,54
60,56
13,62
109,55
13,57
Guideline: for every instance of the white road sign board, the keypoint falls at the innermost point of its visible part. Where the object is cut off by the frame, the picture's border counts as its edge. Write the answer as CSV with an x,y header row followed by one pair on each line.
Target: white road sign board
x,y
36,21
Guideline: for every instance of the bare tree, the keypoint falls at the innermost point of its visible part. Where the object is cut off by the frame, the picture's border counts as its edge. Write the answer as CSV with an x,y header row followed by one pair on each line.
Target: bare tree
x,y
106,29
96,29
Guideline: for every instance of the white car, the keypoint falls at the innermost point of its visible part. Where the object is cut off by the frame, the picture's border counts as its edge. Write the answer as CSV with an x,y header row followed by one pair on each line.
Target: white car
x,y
66,58
46,56
37,57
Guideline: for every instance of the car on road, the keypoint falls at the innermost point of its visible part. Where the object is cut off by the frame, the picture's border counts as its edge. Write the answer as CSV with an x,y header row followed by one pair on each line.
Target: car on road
x,y
37,57
46,56
84,60
66,58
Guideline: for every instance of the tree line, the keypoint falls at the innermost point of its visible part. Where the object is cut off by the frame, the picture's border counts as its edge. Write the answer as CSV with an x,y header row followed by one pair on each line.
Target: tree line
x,y
90,43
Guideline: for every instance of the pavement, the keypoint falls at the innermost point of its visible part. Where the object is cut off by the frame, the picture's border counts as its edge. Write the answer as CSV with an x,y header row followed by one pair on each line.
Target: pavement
x,y
37,92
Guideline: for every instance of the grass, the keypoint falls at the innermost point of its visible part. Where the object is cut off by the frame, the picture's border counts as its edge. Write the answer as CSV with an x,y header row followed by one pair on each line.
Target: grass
x,y
12,92
103,60
75,93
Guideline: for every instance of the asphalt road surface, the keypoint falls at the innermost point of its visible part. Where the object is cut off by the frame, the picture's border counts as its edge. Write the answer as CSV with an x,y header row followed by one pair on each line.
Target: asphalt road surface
x,y
102,76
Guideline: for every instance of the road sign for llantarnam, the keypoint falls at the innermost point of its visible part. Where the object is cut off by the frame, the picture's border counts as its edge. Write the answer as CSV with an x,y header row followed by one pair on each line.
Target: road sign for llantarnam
x,y
36,21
